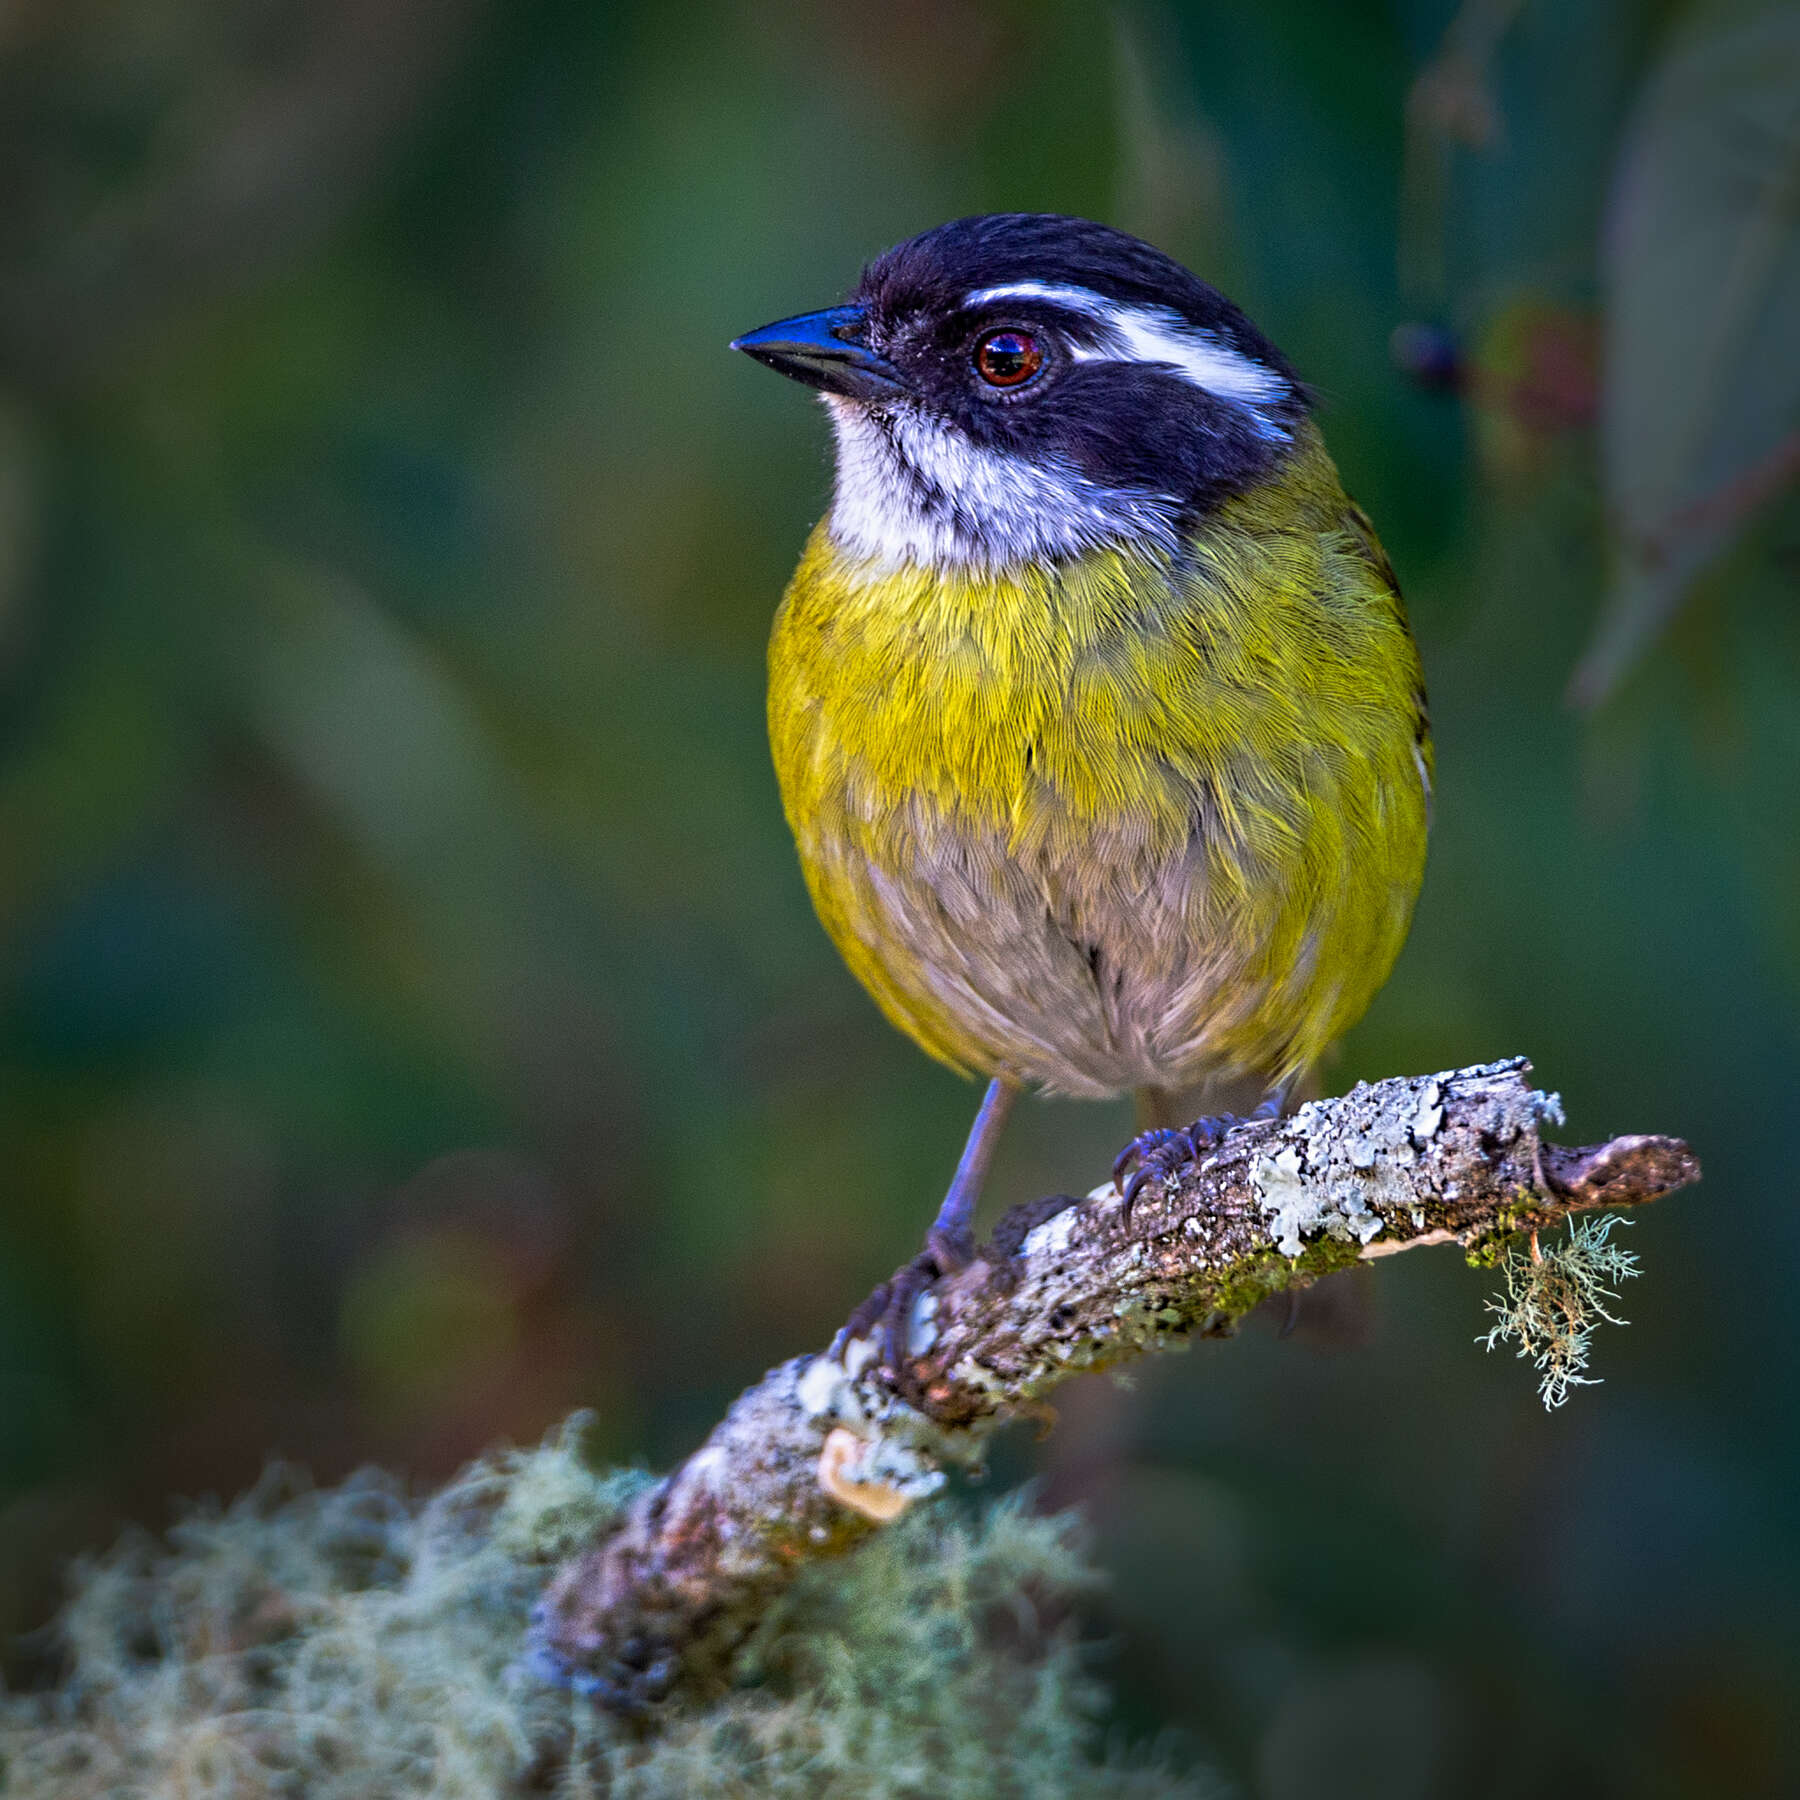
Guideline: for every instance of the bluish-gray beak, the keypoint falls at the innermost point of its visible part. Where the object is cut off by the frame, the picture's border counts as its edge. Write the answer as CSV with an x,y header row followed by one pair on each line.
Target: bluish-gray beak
x,y
825,350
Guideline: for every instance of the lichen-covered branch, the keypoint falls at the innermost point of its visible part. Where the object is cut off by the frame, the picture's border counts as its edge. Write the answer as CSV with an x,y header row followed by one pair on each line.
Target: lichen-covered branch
x,y
827,1448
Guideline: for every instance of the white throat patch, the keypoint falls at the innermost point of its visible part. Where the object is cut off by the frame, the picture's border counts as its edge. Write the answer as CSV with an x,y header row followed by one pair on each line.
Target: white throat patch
x,y
912,489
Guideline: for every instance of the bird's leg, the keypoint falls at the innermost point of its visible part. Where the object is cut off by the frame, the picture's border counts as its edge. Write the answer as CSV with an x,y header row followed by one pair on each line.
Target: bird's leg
x,y
950,1243
1159,1152
951,1240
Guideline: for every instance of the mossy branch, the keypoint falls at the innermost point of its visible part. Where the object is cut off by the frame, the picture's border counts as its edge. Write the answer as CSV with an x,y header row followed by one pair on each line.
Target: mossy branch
x,y
826,1449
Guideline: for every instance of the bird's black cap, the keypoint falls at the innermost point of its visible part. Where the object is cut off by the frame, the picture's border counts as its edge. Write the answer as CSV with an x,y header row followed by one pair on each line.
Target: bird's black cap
x,y
1140,378
938,267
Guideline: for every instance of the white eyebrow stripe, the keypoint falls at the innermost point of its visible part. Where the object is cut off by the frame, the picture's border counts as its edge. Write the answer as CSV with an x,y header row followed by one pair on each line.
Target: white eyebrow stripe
x,y
1151,334
1076,299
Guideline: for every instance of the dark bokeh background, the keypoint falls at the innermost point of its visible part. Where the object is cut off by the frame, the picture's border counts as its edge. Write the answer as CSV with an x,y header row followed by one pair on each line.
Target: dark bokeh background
x,y
412,1025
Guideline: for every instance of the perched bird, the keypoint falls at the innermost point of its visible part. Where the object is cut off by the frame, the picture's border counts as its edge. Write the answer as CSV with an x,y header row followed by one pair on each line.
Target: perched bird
x,y
1094,707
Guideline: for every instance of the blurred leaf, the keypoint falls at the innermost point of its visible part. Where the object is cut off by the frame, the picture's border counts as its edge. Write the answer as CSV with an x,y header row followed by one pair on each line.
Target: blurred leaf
x,y
1702,397
423,1315
1532,377
1171,187
1451,105
19,484
205,152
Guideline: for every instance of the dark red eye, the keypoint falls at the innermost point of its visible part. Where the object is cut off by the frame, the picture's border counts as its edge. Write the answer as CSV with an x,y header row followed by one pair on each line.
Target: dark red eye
x,y
1008,359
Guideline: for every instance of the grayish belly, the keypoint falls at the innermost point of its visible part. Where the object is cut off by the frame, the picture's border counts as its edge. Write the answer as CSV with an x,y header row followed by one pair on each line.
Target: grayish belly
x,y
1088,976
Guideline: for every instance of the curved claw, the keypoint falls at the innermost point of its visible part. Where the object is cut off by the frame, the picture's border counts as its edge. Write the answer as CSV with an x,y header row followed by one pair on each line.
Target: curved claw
x,y
1164,1152
1134,1187
1146,1147
887,1313
1160,1154
909,1282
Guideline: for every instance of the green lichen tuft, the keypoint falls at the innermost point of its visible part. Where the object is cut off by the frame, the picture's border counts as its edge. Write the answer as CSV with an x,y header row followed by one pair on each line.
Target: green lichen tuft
x,y
348,1642
1555,1299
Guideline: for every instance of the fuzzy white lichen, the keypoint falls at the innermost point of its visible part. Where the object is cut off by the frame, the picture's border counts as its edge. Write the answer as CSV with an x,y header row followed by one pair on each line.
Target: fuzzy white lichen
x,y
350,1642
1555,1299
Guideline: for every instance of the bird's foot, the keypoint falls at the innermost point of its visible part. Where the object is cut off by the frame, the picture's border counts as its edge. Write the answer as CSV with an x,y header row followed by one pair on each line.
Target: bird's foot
x,y
887,1314
1163,1152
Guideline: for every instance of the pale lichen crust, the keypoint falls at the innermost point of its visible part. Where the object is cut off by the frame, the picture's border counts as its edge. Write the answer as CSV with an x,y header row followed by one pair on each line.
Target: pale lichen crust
x,y
1353,1168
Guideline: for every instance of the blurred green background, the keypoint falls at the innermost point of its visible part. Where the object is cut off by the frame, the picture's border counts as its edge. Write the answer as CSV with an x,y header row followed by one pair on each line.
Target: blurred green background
x,y
412,1024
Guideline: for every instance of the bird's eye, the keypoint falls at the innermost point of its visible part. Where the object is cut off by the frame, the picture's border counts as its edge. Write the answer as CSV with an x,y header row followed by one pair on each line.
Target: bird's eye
x,y
1008,359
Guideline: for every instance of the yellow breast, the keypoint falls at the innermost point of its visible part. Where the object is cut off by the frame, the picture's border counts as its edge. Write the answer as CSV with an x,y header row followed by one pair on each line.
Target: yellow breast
x,y
1119,822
